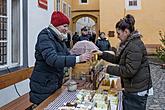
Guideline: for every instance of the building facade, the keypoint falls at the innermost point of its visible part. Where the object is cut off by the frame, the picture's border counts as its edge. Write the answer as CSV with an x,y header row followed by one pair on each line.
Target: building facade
x,y
149,16
78,9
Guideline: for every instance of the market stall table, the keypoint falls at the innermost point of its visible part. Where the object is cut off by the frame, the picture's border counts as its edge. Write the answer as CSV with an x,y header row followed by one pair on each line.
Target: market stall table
x,y
62,95
45,103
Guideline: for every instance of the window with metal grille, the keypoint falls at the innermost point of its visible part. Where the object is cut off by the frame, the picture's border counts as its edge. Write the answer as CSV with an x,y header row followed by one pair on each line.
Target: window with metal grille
x,y
83,1
69,11
64,8
57,5
3,32
133,3
9,33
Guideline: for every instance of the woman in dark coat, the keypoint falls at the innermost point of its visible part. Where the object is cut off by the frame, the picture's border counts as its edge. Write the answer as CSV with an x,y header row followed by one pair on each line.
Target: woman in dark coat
x,y
133,66
51,56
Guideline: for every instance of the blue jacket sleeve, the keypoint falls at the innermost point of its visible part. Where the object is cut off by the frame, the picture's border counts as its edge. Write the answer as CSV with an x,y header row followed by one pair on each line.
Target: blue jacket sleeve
x,y
50,55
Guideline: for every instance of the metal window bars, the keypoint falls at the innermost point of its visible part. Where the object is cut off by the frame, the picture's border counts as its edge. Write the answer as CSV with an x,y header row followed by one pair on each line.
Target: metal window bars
x,y
3,32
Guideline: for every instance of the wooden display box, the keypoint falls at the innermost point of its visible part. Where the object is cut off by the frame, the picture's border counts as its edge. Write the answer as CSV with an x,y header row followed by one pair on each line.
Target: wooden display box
x,y
114,85
81,69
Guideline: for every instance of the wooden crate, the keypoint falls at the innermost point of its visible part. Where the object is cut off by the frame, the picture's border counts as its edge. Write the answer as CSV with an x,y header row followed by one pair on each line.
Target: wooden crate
x,y
114,85
81,69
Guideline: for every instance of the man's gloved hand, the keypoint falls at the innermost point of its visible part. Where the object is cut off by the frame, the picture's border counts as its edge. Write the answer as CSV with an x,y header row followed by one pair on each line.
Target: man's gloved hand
x,y
85,57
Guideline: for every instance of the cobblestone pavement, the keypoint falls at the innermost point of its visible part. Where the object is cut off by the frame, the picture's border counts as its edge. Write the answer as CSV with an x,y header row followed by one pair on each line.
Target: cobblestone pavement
x,y
157,101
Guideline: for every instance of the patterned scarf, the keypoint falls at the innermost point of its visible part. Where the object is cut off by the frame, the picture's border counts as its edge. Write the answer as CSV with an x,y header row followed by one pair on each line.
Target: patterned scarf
x,y
61,36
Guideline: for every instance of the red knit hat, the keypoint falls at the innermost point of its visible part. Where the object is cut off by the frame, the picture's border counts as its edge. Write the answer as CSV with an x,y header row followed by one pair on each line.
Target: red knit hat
x,y
58,18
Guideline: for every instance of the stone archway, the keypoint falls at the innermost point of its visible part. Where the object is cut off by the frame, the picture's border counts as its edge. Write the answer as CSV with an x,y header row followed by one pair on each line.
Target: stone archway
x,y
93,17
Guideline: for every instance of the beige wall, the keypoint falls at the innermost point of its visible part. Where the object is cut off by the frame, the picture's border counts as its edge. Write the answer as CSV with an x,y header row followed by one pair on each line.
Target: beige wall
x,y
149,20
110,12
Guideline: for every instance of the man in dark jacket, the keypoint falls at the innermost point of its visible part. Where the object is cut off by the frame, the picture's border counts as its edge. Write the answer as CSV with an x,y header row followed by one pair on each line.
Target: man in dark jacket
x,y
51,56
84,34
67,40
93,37
103,43
75,37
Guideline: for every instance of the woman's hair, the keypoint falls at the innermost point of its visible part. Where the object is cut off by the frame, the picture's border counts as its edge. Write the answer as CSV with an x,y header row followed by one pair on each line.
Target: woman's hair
x,y
127,22
101,33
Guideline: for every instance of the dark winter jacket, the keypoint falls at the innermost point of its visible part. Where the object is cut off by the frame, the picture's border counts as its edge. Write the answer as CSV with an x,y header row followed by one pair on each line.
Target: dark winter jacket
x,y
75,38
67,41
103,44
51,57
92,38
133,66
84,37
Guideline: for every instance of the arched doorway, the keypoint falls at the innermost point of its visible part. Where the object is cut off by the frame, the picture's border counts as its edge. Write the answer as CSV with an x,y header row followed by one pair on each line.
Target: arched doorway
x,y
85,22
93,18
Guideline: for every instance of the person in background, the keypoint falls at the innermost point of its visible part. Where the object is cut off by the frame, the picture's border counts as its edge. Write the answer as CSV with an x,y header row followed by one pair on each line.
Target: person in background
x,y
93,37
84,34
67,40
52,56
75,37
103,43
89,34
132,65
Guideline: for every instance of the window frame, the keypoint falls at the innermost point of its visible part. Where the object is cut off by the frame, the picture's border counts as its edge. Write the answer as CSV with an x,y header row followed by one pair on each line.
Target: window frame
x,y
80,2
63,2
9,63
58,5
69,11
133,7
131,3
